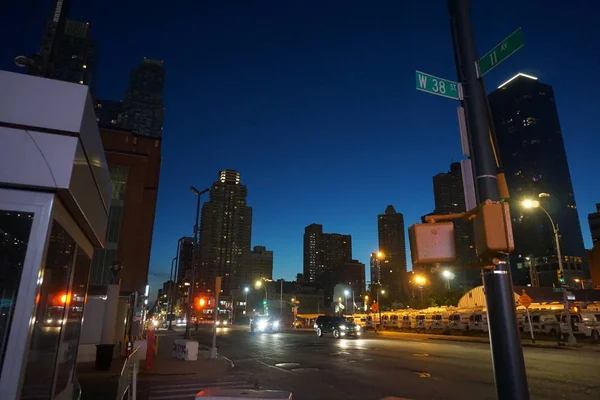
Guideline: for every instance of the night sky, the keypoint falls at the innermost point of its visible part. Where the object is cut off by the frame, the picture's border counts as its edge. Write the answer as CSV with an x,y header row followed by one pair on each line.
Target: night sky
x,y
314,102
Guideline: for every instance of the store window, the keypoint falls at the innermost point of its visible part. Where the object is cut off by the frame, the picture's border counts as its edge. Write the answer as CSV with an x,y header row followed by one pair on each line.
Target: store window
x,y
54,298
15,227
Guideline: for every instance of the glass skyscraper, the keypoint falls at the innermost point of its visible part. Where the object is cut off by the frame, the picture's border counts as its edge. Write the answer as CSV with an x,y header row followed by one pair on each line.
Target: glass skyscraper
x,y
533,154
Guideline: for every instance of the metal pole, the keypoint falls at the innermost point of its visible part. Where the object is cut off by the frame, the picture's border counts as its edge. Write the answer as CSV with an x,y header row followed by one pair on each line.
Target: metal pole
x,y
175,286
213,349
530,325
188,313
505,342
246,303
281,298
378,305
353,303
571,341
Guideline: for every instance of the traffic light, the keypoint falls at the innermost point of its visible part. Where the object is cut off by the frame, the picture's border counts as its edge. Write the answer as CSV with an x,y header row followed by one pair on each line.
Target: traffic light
x,y
264,302
201,302
561,275
432,243
493,229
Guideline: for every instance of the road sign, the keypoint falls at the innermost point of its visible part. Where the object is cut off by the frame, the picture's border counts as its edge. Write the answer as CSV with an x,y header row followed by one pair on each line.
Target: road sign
x,y
501,52
525,300
434,85
374,307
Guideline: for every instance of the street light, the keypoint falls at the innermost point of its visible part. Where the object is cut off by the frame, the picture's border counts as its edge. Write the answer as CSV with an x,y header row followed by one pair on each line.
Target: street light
x,y
447,274
529,204
577,280
246,290
258,284
420,281
346,294
196,249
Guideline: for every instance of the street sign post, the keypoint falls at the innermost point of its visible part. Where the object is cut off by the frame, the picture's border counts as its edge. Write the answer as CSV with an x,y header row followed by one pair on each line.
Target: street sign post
x,y
501,52
525,300
438,86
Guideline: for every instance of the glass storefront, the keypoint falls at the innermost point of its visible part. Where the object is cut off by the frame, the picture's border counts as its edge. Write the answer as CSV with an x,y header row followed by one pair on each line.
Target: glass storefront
x,y
15,228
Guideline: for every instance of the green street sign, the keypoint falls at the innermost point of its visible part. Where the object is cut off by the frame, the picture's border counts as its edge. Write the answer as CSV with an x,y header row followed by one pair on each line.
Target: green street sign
x,y
434,85
557,289
501,52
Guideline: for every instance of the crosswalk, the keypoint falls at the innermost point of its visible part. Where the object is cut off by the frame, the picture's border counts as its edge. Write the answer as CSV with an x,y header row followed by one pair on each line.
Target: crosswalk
x,y
187,389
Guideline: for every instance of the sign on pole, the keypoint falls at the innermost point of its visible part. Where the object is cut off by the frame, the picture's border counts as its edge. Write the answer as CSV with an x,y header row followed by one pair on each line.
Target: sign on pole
x,y
501,52
438,86
525,300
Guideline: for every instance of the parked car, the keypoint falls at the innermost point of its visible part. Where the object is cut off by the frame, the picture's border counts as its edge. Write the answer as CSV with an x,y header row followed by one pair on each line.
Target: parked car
x,y
337,326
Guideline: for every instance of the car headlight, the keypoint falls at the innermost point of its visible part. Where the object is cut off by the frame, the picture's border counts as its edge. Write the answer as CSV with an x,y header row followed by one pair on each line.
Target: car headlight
x,y
224,322
155,322
218,322
262,325
275,324
358,327
343,327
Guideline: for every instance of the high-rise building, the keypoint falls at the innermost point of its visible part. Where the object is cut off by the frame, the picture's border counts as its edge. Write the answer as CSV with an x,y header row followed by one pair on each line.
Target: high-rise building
x,y
225,232
392,245
594,221
109,112
185,259
449,198
256,264
74,58
532,151
352,274
134,165
323,251
143,110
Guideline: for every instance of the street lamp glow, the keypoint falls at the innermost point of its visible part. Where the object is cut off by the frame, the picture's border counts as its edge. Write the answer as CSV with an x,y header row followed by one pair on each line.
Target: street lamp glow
x,y
257,284
380,254
528,203
246,289
382,291
446,274
420,280
346,293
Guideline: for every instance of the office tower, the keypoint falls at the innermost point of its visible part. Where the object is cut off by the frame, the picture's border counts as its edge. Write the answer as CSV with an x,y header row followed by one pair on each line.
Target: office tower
x,y
143,110
392,245
185,259
134,165
225,232
324,253
256,264
375,262
532,152
594,221
74,56
449,198
109,112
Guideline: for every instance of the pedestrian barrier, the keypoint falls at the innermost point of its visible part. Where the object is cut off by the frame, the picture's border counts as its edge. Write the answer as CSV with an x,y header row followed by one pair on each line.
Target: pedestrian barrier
x,y
128,379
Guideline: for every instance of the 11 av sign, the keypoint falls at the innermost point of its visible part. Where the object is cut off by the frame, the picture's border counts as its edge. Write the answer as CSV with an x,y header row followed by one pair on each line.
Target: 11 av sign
x,y
501,52
434,85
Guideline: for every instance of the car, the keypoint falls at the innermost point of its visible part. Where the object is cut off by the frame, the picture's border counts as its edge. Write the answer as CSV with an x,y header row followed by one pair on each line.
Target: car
x,y
338,326
264,324
222,322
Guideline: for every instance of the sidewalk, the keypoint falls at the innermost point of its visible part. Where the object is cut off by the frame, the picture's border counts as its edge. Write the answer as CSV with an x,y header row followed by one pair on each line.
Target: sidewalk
x,y
99,385
165,365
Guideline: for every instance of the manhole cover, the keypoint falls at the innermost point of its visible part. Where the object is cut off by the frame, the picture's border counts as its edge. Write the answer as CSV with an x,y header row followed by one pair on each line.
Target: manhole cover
x,y
287,365
304,369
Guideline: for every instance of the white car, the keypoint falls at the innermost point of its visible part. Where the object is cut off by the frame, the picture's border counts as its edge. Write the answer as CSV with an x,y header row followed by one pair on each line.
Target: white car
x,y
264,324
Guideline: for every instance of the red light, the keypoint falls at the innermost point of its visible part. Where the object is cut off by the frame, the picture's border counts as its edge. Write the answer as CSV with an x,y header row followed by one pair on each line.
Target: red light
x,y
201,302
65,298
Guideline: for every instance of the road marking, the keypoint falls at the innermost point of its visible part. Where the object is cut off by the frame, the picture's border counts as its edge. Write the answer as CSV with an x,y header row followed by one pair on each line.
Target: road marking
x,y
421,355
424,374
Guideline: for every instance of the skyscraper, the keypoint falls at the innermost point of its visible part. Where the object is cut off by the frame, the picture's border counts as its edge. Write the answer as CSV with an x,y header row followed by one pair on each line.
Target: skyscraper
x,y
390,228
225,232
324,255
449,198
74,55
594,222
185,259
533,155
256,264
143,110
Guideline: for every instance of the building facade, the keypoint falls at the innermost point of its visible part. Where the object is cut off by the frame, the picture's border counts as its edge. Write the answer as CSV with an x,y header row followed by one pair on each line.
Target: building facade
x,y
225,232
109,112
324,256
449,198
134,164
392,245
143,110
594,222
531,147
256,264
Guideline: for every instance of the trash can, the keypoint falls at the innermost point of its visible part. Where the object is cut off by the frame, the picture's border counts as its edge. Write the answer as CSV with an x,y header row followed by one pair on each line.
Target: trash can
x,y
104,356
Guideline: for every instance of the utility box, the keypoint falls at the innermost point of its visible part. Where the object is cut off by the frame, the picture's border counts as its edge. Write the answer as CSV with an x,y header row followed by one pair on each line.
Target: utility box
x,y
432,243
493,230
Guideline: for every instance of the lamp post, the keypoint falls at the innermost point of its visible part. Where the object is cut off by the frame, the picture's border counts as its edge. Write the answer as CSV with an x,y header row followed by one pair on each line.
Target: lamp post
x,y
171,294
379,306
448,275
529,204
257,285
346,294
246,290
188,313
420,281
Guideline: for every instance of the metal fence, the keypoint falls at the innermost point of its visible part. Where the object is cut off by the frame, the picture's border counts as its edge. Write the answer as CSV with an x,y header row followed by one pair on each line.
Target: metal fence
x,y
128,379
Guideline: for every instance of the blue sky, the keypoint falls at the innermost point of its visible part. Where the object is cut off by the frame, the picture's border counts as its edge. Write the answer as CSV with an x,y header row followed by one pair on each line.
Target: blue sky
x,y
314,102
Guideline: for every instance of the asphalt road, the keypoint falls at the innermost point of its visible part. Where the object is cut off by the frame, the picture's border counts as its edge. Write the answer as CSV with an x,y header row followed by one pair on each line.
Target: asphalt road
x,y
374,367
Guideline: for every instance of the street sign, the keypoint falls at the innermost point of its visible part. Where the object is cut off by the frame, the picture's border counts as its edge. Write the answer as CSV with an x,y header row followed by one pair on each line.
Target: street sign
x,y
557,289
434,85
374,307
525,300
501,52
